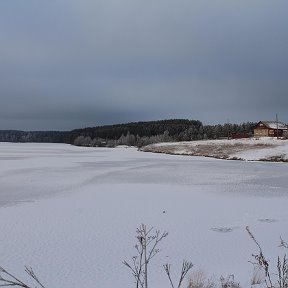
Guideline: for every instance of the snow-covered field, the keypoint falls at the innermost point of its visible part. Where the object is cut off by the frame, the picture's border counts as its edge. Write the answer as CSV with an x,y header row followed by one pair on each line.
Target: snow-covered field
x,y
263,149
71,212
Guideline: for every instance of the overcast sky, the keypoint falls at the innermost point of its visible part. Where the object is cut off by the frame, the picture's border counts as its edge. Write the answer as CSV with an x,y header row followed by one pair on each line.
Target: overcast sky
x,y
68,64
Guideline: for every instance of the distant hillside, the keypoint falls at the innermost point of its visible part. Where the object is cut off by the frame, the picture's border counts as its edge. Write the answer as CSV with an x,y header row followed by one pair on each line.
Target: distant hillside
x,y
135,133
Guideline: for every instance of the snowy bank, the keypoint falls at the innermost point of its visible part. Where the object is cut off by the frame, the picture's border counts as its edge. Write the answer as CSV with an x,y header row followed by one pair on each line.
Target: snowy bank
x,y
264,149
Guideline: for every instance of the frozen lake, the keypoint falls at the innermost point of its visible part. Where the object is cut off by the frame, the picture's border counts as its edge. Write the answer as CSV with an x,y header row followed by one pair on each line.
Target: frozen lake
x,y
71,212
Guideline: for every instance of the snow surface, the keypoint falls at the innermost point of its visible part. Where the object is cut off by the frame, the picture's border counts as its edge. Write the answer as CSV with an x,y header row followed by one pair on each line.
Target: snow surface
x,y
71,212
279,149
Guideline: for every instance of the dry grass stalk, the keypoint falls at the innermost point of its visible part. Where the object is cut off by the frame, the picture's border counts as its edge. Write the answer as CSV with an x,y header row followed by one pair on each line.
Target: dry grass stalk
x,y
147,248
229,282
262,263
186,266
7,279
198,279
257,276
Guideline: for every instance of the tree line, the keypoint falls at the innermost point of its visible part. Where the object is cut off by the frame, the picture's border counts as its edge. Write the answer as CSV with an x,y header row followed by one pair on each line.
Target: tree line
x,y
17,136
133,134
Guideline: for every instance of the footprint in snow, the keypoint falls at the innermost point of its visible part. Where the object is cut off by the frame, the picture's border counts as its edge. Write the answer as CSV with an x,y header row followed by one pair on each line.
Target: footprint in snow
x,y
224,229
267,220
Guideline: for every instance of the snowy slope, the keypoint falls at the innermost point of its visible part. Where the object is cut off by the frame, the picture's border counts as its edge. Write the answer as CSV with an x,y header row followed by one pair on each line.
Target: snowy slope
x,y
71,212
264,149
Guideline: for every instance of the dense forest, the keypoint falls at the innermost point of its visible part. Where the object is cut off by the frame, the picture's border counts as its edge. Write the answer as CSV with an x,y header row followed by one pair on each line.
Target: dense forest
x,y
135,133
35,136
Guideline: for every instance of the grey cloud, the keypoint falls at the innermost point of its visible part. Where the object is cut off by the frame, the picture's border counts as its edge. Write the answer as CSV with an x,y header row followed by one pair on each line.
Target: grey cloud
x,y
117,61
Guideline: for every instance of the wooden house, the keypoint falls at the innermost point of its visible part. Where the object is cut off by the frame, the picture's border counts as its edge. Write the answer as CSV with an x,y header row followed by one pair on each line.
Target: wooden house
x,y
270,129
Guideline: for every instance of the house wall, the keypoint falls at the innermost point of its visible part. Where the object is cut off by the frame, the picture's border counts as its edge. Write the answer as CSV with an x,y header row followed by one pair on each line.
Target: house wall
x,y
261,132
264,132
272,132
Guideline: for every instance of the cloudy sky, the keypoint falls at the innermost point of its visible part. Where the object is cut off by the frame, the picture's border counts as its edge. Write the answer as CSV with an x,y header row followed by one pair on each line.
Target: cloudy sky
x,y
68,64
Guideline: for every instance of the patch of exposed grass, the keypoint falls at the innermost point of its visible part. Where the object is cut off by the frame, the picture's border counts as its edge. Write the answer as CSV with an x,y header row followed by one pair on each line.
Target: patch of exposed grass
x,y
214,150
